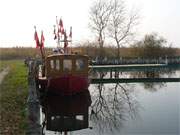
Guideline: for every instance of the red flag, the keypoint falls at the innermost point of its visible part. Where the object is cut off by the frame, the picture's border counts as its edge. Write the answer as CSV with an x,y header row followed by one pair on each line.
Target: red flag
x,y
70,34
42,40
36,38
65,40
61,23
55,36
61,29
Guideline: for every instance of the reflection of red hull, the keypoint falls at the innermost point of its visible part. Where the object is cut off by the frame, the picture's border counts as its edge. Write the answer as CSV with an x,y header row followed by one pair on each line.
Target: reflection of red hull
x,y
67,84
67,112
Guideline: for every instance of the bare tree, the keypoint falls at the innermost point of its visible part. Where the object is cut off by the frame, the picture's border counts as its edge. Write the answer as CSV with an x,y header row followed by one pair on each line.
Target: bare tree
x,y
121,23
99,18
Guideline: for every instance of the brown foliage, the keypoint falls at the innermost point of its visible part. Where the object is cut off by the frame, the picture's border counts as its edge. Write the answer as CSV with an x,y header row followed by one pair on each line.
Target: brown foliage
x,y
19,53
89,48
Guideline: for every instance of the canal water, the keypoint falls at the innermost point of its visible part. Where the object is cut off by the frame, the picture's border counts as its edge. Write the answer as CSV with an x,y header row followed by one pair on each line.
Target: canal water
x,y
134,108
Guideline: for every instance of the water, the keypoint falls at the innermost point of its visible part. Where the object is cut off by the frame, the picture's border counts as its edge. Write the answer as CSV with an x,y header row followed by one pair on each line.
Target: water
x,y
134,109
159,113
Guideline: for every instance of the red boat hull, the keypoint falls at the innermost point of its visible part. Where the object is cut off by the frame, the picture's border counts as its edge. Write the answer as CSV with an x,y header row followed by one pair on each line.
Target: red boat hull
x,y
67,85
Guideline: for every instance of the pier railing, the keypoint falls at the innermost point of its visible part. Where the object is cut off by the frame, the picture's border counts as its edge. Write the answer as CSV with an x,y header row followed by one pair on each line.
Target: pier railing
x,y
148,73
123,61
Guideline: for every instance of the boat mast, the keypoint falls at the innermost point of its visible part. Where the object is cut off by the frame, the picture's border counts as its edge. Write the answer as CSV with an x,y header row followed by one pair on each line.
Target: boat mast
x,y
61,35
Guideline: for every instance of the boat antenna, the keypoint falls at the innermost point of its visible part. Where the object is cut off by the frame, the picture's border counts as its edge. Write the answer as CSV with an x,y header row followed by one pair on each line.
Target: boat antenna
x,y
61,36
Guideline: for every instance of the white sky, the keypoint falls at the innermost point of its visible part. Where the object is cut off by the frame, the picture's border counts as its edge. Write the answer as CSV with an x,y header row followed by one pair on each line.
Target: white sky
x,y
18,17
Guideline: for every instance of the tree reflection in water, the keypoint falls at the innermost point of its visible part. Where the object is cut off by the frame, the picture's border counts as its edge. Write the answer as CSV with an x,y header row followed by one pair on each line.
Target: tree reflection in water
x,y
111,106
153,86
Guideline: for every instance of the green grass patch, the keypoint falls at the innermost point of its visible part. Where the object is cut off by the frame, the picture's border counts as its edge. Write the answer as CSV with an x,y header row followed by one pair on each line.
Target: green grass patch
x,y
13,96
3,64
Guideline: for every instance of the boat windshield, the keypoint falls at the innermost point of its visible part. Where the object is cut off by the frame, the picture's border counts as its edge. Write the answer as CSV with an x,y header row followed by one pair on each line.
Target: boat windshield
x,y
67,65
54,65
59,65
80,64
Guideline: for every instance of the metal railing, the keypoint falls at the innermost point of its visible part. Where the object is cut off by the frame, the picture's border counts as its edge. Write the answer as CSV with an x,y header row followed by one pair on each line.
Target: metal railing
x,y
123,61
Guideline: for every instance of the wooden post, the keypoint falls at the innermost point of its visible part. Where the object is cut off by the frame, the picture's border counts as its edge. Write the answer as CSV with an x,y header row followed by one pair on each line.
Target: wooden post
x,y
34,126
111,73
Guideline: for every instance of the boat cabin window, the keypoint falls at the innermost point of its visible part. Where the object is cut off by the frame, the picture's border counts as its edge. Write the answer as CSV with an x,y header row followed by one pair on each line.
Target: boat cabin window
x,y
52,64
67,65
79,117
80,64
55,64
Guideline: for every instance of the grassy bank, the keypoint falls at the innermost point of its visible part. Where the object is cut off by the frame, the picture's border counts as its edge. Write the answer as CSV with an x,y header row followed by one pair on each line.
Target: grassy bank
x,y
13,96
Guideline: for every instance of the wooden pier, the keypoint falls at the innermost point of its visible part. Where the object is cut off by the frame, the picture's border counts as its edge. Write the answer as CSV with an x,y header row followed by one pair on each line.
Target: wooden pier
x,y
114,71
134,67
134,80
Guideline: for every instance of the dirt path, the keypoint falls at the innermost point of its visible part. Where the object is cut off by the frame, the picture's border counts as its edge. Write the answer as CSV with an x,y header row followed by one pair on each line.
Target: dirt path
x,y
3,74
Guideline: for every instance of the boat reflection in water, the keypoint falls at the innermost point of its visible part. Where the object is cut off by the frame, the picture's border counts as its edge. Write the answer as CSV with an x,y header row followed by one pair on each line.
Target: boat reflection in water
x,y
66,113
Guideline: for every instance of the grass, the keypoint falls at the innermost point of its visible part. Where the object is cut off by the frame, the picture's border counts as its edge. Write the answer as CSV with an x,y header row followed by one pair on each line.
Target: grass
x,y
13,96
3,64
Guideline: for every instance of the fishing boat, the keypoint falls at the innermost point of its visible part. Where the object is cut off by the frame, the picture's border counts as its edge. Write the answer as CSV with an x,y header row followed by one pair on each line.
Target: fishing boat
x,y
65,74
62,72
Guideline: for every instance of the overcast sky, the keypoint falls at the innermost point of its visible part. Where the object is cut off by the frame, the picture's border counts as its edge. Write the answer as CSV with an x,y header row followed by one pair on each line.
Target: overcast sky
x,y
18,17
